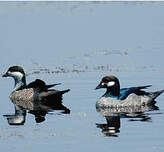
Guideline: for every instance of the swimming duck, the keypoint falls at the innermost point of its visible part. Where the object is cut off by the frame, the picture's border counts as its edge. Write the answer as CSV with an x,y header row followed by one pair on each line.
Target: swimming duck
x,y
36,95
116,97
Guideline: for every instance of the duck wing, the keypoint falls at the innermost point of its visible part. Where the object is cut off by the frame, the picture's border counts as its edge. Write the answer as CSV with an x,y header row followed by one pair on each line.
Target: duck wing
x,y
125,92
40,84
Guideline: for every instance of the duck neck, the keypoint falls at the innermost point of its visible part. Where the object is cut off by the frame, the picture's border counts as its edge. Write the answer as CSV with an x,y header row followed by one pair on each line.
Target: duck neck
x,y
19,83
114,92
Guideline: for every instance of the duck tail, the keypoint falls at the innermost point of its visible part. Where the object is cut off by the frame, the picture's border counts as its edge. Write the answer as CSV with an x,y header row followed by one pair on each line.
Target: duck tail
x,y
154,95
52,85
64,91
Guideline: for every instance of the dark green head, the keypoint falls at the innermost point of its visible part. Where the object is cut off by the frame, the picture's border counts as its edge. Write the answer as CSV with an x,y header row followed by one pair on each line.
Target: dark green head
x,y
111,83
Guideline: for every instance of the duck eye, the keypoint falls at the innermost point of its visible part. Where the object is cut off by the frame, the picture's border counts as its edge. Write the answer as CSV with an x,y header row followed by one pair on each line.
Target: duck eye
x,y
111,83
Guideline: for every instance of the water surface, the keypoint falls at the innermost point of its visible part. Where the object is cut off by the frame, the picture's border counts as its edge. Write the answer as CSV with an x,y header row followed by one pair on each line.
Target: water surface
x,y
76,44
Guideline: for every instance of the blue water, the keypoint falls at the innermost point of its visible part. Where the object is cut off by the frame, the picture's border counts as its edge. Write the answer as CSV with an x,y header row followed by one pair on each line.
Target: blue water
x,y
76,44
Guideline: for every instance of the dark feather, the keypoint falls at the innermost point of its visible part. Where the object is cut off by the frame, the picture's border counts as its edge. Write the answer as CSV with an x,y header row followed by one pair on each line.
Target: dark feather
x,y
40,85
143,87
125,92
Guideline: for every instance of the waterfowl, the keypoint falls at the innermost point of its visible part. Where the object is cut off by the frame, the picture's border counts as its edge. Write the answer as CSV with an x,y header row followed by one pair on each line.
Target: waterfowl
x,y
116,97
36,95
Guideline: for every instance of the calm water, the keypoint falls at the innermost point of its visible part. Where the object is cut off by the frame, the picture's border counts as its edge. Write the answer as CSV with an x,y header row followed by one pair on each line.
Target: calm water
x,y
76,44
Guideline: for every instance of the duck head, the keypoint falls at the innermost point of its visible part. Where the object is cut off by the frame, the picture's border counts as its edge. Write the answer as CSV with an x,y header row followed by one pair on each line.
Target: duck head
x,y
18,74
111,83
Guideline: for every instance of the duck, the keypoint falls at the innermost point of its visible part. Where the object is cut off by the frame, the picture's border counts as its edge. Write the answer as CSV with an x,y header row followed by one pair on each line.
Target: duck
x,y
37,95
115,97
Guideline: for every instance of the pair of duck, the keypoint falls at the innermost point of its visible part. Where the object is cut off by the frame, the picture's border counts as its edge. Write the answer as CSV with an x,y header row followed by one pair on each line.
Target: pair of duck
x,y
37,92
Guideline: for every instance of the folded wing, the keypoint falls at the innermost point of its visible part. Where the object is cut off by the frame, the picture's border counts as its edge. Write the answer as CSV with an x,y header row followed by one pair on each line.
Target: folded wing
x,y
125,92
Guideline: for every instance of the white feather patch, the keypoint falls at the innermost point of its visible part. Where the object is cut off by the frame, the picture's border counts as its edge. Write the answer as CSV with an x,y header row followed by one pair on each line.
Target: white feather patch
x,y
16,74
111,83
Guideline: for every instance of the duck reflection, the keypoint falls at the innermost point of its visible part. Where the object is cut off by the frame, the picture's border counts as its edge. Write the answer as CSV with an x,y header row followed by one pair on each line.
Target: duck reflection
x,y
111,128
19,117
37,97
113,115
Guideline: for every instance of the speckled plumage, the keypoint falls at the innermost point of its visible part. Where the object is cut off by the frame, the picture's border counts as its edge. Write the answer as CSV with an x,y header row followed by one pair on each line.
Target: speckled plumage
x,y
36,95
127,97
26,98
131,100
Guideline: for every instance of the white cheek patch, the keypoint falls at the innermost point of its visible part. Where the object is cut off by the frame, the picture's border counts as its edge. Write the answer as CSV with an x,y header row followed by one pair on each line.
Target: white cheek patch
x,y
111,83
17,74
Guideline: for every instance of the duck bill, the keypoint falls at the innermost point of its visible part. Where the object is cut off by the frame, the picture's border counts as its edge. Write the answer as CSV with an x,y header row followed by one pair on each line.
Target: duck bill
x,y
5,75
98,87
